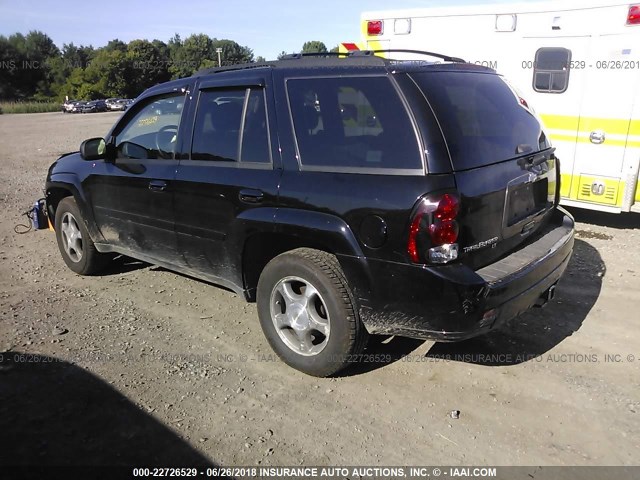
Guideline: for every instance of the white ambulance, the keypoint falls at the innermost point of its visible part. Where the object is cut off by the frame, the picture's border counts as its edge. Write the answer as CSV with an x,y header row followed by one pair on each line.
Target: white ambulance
x,y
577,63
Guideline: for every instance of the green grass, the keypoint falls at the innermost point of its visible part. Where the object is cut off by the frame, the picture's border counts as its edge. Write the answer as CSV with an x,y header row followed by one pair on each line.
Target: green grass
x,y
29,107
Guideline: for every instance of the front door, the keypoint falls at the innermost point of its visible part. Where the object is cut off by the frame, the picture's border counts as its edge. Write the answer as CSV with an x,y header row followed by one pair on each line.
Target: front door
x,y
133,197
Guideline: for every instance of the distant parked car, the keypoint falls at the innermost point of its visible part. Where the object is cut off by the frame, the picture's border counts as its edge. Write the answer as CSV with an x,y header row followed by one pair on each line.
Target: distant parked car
x,y
94,106
110,101
120,104
77,106
113,103
68,105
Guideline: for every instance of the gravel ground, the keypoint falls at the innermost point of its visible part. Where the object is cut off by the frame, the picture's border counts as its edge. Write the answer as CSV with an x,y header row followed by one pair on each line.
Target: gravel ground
x,y
141,365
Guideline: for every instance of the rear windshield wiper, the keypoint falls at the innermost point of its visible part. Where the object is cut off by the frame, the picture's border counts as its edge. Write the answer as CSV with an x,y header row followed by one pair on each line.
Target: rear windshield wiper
x,y
536,159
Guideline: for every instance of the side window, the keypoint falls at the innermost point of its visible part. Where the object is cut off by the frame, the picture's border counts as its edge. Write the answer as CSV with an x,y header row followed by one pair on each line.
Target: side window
x,y
358,116
352,123
255,135
152,131
551,70
231,126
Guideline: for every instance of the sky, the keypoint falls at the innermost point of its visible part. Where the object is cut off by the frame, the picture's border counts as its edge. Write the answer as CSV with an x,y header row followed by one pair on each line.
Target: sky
x,y
267,27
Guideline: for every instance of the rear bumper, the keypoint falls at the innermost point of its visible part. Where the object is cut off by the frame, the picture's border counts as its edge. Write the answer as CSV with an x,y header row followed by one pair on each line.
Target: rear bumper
x,y
451,303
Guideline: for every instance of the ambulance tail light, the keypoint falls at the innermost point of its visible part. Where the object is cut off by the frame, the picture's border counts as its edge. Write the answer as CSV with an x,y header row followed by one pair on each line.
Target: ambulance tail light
x,y
374,27
633,17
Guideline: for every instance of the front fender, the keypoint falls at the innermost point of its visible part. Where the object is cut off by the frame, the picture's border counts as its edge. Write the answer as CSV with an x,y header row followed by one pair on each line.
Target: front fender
x,y
71,183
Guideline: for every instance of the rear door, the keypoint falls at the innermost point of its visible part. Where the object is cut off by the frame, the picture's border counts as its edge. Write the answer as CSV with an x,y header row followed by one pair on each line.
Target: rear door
x,y
229,168
503,163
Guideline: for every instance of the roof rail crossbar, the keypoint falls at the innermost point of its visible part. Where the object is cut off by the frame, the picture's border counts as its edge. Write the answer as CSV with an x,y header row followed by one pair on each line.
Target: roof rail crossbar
x,y
446,58
294,56
230,68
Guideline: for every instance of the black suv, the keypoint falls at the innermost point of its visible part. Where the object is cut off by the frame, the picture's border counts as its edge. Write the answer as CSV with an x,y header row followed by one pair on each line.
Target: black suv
x,y
347,196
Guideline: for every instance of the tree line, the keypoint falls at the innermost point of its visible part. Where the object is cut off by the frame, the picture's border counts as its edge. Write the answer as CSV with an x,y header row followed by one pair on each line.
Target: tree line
x,y
32,67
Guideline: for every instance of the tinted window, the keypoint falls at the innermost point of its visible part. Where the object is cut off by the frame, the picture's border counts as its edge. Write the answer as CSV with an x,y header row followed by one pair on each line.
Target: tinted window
x,y
152,132
216,134
221,134
481,117
551,70
352,122
255,135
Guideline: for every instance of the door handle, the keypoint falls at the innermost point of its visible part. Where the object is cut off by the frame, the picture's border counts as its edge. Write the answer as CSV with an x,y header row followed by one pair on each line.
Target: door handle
x,y
250,196
157,185
597,137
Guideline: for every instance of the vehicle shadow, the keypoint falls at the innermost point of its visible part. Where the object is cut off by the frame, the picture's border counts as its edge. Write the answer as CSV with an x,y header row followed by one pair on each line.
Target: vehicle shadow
x,y
539,330
381,351
619,221
54,413
123,264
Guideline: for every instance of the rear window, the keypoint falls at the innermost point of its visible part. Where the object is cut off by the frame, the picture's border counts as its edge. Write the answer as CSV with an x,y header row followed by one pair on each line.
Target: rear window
x,y
482,118
352,124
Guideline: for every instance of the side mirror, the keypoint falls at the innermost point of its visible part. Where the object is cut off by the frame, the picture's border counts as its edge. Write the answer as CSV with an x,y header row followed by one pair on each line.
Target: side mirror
x,y
93,149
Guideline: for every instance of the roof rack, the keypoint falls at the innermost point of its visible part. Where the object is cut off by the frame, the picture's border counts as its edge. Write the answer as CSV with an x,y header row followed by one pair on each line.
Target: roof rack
x,y
296,56
229,68
446,58
369,53
361,55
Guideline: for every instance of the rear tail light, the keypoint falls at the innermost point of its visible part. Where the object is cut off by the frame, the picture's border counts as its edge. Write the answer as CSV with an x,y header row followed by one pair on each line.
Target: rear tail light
x,y
633,17
374,27
434,230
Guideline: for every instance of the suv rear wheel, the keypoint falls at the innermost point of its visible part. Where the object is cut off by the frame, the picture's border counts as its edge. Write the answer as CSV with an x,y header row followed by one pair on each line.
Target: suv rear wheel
x,y
76,247
308,314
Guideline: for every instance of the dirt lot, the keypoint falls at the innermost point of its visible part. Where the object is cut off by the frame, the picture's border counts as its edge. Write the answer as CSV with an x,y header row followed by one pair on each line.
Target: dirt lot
x,y
144,366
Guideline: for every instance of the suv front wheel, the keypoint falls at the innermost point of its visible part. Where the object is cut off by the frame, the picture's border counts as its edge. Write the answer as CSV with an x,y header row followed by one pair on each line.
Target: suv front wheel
x,y
76,247
308,314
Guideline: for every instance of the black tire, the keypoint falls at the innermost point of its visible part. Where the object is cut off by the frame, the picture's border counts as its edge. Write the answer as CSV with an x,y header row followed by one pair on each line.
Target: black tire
x,y
321,273
86,260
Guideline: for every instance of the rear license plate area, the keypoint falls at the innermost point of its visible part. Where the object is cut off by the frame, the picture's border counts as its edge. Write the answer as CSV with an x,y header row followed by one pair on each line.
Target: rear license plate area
x,y
526,200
